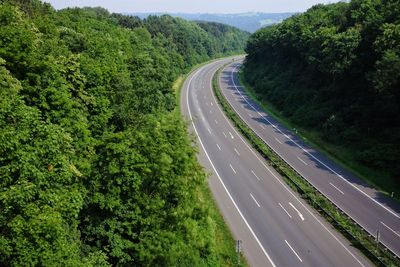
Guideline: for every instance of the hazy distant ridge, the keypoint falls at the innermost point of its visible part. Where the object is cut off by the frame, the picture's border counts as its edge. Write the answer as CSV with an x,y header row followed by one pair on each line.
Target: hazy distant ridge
x,y
250,21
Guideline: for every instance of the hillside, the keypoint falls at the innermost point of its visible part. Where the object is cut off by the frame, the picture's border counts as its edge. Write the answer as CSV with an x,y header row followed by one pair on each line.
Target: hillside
x,y
249,22
334,71
96,168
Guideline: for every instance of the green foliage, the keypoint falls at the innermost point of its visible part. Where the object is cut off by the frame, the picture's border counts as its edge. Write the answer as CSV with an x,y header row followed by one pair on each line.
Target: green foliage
x,y
19,40
335,70
228,39
197,42
95,165
41,194
139,195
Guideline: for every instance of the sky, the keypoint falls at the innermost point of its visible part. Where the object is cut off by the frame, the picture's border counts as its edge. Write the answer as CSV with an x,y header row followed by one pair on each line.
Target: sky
x,y
194,6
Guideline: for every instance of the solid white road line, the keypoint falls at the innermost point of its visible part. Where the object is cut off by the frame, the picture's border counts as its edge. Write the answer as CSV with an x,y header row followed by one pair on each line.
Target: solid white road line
x,y
219,178
231,135
255,200
390,229
305,163
284,185
298,145
298,212
295,253
336,188
255,175
237,152
290,216
219,147
224,134
277,140
209,130
232,168
340,176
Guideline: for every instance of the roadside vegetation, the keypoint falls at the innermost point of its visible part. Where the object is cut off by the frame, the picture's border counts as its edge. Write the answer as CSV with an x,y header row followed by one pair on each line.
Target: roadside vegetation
x,y
359,238
96,168
333,73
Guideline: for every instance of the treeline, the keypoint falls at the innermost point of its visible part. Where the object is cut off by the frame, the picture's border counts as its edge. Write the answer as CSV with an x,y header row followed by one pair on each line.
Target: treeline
x,y
95,164
335,70
195,42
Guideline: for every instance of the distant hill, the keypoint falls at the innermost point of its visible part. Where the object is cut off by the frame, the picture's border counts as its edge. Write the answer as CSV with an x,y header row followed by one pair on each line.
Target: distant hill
x,y
250,21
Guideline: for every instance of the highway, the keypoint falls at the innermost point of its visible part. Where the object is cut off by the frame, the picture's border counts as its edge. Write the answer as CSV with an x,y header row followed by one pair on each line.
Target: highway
x,y
276,226
369,208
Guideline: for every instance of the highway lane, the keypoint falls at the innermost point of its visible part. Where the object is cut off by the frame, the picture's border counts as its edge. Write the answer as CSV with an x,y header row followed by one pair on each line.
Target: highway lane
x,y
276,226
369,208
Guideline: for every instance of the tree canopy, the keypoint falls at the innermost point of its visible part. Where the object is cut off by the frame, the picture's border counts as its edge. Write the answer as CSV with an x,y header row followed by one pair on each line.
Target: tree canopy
x,y
335,69
95,164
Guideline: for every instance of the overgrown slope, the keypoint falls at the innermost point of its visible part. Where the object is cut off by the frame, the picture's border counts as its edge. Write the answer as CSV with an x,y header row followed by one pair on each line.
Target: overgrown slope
x,y
335,71
95,164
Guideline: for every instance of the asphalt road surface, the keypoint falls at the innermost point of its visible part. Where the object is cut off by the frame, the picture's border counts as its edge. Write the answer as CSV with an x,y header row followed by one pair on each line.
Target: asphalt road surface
x,y
369,208
276,227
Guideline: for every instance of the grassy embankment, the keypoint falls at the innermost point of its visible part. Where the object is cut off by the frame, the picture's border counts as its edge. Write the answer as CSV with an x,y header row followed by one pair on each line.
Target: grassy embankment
x,y
344,224
341,155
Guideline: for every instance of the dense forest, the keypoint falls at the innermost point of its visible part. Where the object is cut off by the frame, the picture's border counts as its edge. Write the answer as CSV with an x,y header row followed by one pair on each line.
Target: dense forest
x,y
249,21
95,164
335,70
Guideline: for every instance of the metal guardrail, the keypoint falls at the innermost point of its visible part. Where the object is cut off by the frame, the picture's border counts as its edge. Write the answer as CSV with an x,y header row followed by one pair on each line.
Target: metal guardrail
x,y
380,247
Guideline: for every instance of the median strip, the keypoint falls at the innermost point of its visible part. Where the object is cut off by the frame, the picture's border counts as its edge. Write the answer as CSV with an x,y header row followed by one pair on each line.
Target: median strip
x,y
359,238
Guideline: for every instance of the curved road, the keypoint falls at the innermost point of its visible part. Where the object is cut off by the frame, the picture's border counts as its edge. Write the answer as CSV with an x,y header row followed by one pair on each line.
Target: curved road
x,y
277,227
369,208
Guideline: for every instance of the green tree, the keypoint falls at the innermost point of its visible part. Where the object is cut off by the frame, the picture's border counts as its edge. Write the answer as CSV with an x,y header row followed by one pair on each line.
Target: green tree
x,y
335,71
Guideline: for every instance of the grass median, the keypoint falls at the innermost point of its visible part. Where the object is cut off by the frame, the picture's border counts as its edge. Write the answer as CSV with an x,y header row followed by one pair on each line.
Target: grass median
x,y
358,237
